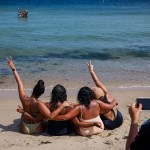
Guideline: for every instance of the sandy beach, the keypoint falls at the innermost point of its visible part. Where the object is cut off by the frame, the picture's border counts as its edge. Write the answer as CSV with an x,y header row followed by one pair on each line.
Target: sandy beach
x,y
54,43
113,140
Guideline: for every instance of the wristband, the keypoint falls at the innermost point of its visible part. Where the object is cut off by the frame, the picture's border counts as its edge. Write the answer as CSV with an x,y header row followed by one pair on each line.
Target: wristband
x,y
13,69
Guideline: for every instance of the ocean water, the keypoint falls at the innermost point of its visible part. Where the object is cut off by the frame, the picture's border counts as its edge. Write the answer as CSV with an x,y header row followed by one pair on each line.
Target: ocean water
x,y
55,42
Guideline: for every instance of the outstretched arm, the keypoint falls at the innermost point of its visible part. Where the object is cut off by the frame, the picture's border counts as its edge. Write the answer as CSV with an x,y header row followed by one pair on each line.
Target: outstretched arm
x,y
44,112
135,115
26,115
78,123
104,107
51,115
21,91
69,115
95,78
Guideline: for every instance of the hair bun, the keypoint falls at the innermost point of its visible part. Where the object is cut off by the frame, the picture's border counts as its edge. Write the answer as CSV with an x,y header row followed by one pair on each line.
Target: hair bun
x,y
39,88
40,83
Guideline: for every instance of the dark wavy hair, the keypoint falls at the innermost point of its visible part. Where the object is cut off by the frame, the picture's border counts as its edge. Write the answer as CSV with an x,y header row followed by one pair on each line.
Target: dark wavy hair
x,y
58,94
39,88
85,95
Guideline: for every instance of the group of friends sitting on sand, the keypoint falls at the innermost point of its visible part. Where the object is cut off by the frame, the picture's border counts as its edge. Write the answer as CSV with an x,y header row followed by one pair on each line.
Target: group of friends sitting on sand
x,y
94,111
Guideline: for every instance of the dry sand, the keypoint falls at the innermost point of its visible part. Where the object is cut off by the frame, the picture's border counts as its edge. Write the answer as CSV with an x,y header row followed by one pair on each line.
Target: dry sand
x,y
11,139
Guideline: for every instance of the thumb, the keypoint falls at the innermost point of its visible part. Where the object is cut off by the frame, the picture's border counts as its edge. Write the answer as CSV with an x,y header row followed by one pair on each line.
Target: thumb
x,y
140,106
19,106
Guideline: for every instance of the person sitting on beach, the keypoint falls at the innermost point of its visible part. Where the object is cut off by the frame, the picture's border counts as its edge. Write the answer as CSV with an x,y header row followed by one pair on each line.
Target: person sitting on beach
x,y
58,96
138,140
87,110
112,119
32,104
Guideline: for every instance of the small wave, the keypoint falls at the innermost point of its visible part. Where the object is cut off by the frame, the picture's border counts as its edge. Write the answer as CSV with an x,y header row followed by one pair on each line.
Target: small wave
x,y
13,89
75,88
133,86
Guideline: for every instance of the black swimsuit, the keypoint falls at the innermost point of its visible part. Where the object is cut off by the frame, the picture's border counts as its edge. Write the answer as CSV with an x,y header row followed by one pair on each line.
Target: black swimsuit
x,y
109,124
59,127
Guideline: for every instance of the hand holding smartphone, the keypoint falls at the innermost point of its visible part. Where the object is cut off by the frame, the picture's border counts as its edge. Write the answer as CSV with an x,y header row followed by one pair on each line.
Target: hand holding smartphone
x,y
145,101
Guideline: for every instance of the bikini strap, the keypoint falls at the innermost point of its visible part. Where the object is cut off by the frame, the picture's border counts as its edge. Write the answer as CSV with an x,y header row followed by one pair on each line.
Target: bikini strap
x,y
81,114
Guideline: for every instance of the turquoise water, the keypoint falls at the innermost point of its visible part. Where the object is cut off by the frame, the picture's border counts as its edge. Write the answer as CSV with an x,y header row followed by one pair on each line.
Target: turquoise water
x,y
56,42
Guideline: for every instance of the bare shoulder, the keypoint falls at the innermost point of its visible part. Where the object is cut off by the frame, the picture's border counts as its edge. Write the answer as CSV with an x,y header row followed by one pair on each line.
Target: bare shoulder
x,y
47,104
109,97
95,101
25,100
38,103
77,106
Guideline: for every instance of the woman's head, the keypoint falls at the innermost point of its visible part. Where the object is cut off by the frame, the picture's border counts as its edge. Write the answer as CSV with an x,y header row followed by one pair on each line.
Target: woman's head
x,y
58,94
39,88
85,95
98,92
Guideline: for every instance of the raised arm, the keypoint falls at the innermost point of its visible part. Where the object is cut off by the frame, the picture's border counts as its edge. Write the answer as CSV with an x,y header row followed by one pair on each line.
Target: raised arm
x,y
95,78
135,115
22,94
104,107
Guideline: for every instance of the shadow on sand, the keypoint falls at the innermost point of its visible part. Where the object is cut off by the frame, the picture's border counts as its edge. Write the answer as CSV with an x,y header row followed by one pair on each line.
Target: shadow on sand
x,y
14,127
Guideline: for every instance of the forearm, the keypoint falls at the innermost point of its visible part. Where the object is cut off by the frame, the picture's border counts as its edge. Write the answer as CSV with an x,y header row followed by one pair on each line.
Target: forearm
x,y
60,118
97,81
18,80
106,107
38,118
64,117
86,124
113,104
29,117
71,114
78,123
132,134
20,85
17,77
55,112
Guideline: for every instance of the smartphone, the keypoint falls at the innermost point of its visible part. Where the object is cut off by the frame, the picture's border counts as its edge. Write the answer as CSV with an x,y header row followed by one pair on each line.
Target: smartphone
x,y
145,101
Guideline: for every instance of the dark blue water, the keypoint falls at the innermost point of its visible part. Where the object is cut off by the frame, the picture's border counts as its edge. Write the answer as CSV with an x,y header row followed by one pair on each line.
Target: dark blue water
x,y
55,42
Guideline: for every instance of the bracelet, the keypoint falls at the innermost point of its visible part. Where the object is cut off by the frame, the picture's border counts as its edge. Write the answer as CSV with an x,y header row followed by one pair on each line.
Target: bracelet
x,y
13,69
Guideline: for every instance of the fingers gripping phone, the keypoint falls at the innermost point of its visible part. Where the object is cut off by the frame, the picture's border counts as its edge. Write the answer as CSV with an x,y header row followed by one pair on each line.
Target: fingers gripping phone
x,y
145,101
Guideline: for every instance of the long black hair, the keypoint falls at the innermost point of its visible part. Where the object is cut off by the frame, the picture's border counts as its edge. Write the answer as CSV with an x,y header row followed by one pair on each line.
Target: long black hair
x,y
39,88
58,94
85,95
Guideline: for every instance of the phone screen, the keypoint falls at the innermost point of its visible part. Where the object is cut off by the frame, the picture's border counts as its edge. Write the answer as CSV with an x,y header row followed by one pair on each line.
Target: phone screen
x,y
145,103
